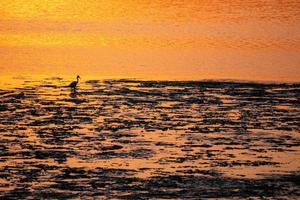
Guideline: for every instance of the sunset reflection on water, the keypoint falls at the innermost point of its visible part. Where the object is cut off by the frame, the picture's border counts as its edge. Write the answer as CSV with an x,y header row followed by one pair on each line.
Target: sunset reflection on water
x,y
177,99
143,132
186,40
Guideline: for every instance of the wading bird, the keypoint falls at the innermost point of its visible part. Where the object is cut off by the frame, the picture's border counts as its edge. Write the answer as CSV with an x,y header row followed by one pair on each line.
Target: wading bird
x,y
74,83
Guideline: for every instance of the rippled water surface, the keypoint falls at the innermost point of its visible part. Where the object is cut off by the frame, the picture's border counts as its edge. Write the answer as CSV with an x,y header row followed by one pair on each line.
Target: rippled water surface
x,y
157,39
149,139
137,139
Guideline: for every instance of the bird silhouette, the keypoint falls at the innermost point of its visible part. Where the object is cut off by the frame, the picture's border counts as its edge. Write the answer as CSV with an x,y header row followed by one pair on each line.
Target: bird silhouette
x,y
73,85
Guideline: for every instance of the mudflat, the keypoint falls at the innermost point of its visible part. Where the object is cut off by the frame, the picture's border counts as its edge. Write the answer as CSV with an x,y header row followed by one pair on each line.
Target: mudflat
x,y
132,139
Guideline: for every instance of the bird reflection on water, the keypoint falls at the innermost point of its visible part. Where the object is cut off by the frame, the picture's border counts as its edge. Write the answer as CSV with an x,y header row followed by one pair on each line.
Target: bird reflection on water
x,y
73,93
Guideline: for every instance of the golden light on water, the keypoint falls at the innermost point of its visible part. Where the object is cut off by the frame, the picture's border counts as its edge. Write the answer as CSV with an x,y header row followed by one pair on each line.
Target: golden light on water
x,y
57,39
61,10
30,9
152,39
114,133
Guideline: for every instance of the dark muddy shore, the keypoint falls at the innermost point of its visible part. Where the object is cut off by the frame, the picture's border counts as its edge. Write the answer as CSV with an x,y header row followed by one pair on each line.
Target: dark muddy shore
x,y
132,139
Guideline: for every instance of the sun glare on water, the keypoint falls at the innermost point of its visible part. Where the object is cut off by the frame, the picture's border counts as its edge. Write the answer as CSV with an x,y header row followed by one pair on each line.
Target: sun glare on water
x,y
248,40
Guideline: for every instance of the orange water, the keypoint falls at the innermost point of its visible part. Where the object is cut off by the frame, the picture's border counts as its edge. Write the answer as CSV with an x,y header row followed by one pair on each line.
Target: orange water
x,y
157,39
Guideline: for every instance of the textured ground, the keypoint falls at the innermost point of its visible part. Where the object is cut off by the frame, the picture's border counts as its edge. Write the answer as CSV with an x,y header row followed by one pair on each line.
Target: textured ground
x,y
147,139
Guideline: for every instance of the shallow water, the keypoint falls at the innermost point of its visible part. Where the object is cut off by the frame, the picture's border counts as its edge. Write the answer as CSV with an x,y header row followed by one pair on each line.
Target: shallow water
x,y
157,39
147,139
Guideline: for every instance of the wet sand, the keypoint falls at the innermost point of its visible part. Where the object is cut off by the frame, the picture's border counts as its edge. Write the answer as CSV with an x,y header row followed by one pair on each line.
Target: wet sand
x,y
131,139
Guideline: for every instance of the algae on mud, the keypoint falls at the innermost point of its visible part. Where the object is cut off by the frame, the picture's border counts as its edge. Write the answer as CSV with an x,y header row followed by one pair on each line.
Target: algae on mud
x,y
147,139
